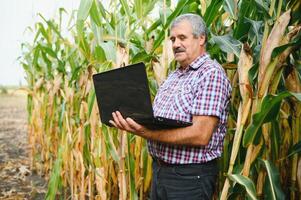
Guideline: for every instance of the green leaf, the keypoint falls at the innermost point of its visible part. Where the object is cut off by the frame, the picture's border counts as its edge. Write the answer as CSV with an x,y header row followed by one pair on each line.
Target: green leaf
x,y
95,14
100,54
154,26
255,27
131,168
49,51
262,6
101,9
98,32
269,103
61,118
84,9
75,74
43,31
252,74
109,143
55,182
139,9
275,139
141,57
246,182
229,6
227,44
126,8
91,100
83,43
274,186
48,63
109,49
212,11
158,41
241,29
80,28
181,4
36,55
148,7
296,149
52,26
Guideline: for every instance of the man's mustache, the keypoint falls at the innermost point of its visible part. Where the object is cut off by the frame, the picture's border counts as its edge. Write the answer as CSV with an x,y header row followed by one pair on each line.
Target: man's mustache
x,y
178,50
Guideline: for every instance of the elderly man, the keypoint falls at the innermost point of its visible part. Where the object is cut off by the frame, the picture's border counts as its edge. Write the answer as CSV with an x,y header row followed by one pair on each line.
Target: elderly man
x,y
184,159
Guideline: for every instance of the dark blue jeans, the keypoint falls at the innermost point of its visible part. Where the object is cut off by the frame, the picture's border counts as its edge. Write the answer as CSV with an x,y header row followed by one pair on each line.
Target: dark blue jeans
x,y
178,182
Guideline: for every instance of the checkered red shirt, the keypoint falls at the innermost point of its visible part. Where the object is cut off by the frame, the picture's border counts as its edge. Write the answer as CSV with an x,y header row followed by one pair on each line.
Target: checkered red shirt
x,y
201,89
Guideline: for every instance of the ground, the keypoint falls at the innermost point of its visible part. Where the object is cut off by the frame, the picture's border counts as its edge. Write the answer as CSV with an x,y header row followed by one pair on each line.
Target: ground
x,y
17,181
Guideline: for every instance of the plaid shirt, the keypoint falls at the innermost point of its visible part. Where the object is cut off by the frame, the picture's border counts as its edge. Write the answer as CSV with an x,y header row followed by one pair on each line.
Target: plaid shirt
x,y
201,89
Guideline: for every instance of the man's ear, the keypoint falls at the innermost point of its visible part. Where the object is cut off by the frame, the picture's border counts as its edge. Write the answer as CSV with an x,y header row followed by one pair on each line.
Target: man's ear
x,y
202,40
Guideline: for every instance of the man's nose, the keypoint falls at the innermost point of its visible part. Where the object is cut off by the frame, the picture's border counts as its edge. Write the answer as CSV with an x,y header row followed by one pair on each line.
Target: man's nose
x,y
176,43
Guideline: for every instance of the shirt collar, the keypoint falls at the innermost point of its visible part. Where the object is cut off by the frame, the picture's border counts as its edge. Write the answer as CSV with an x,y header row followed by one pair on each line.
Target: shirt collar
x,y
195,64
199,61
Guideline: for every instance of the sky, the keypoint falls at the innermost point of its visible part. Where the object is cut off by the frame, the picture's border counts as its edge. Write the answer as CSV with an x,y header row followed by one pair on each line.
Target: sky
x,y
15,16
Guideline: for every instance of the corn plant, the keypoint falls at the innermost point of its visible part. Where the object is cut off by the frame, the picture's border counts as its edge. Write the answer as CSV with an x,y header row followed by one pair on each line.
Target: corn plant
x,y
256,41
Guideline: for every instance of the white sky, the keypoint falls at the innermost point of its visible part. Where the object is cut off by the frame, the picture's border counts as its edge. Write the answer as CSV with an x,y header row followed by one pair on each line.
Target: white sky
x,y
15,16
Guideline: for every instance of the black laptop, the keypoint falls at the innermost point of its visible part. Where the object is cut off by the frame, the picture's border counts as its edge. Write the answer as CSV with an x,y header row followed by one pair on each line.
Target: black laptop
x,y
126,90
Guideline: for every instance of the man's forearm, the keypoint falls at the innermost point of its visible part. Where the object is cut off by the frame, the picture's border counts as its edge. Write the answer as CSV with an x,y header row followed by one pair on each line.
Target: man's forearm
x,y
196,135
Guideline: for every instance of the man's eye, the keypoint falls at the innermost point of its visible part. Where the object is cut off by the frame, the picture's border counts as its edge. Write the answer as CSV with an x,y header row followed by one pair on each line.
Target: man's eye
x,y
172,39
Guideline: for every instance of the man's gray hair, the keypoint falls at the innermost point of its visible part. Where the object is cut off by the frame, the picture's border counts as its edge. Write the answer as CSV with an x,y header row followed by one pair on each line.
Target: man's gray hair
x,y
197,23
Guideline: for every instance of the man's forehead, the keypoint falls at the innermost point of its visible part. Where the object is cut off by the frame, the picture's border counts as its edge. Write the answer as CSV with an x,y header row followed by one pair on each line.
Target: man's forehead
x,y
182,28
181,24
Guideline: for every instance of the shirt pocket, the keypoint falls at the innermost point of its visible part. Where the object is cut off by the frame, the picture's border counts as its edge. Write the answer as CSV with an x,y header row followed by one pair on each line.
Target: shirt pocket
x,y
184,99
163,95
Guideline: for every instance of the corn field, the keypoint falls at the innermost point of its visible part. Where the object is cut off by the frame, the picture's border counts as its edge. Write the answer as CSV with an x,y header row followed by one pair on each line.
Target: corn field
x,y
256,41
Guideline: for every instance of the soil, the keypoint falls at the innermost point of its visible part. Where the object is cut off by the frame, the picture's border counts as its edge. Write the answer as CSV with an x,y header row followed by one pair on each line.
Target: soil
x,y
17,181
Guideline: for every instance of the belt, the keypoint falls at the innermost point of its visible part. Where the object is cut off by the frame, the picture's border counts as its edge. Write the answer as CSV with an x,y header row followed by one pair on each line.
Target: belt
x,y
162,163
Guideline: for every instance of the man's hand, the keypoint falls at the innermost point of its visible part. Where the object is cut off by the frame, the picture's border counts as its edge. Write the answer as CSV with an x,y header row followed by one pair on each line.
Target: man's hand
x,y
127,124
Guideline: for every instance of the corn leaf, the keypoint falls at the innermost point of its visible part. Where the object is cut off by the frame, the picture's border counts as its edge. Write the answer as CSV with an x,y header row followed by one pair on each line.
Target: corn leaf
x,y
84,9
261,6
212,11
95,14
62,114
52,26
98,32
274,187
131,169
126,8
181,4
296,149
109,50
99,54
275,139
139,8
246,182
55,181
269,109
229,6
227,44
141,57
255,28
109,144
242,28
